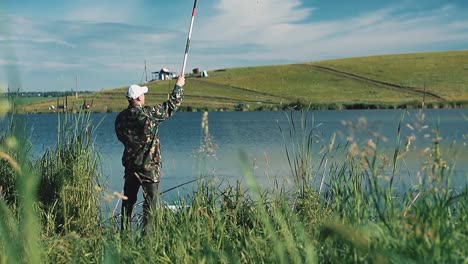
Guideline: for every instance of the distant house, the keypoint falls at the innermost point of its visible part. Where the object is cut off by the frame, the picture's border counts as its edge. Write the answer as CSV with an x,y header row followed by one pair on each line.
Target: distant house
x,y
164,74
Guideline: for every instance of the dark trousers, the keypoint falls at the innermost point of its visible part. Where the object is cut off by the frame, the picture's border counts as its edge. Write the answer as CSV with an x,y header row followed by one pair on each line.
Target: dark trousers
x,y
150,196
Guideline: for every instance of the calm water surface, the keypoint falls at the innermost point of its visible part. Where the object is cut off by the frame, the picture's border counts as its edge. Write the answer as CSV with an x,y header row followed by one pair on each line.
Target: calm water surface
x,y
258,134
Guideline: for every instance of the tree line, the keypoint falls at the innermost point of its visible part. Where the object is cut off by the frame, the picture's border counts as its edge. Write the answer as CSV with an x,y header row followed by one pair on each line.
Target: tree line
x,y
43,94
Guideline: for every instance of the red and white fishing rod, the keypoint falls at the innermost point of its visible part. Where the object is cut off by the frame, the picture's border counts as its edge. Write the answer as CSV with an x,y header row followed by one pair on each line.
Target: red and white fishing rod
x,y
189,37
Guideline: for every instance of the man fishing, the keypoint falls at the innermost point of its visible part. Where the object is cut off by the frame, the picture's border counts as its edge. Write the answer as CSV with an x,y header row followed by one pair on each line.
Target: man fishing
x,y
137,128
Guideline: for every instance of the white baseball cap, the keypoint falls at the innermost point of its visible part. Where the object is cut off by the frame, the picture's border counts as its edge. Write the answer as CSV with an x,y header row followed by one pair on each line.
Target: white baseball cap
x,y
135,90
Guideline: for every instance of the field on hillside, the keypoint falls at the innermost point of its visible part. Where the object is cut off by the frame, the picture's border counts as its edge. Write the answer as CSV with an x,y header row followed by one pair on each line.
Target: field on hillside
x,y
444,73
21,101
296,81
440,79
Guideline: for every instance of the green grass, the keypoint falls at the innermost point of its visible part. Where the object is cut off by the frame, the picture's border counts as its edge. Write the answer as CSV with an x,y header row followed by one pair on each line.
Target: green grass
x,y
362,214
283,86
444,73
292,82
21,101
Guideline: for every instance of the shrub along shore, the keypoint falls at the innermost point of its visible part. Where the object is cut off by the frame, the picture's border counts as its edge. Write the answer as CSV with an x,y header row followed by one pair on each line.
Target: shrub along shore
x,y
51,206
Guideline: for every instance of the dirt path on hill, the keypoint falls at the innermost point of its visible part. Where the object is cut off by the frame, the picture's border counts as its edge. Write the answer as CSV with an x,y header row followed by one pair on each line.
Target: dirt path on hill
x,y
406,89
246,90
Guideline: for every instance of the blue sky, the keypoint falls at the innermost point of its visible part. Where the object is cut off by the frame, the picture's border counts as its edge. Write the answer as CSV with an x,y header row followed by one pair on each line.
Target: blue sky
x,y
45,45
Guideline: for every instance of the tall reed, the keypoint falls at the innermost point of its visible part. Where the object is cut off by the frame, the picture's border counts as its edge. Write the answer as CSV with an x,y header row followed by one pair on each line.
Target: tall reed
x,y
19,224
70,178
417,224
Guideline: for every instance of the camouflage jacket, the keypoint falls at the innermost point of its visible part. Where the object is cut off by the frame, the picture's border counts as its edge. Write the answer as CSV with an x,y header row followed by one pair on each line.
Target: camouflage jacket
x,y
137,128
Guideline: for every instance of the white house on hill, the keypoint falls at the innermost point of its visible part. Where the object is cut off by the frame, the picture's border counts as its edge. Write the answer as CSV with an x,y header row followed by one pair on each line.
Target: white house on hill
x,y
164,74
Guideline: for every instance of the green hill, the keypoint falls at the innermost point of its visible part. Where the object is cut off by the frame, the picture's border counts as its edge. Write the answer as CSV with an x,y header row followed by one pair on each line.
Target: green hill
x,y
440,79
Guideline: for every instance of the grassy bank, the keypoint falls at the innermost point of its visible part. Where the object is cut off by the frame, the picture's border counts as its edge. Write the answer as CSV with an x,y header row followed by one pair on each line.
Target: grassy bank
x,y
407,78
359,213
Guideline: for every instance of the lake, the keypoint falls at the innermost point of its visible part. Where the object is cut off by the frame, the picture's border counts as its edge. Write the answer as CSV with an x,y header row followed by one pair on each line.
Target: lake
x,y
258,134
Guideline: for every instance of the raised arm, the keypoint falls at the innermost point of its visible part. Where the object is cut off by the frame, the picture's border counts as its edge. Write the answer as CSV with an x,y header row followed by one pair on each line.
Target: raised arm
x,y
166,109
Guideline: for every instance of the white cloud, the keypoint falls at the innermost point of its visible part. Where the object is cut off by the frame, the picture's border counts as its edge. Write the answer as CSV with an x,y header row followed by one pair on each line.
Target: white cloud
x,y
5,62
100,14
72,45
155,38
246,19
103,11
111,40
55,65
247,13
281,31
21,29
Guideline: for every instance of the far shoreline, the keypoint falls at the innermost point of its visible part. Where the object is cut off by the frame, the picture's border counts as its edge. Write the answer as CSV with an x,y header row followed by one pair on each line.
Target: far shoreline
x,y
288,107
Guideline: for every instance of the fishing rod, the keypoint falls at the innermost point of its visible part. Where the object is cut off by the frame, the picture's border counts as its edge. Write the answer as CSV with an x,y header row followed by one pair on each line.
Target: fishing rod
x,y
180,185
161,193
189,37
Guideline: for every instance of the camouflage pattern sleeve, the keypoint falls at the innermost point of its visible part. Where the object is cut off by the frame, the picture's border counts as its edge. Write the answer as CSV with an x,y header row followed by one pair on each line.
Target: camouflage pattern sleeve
x,y
166,109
